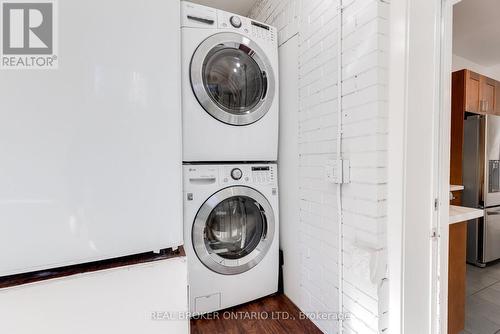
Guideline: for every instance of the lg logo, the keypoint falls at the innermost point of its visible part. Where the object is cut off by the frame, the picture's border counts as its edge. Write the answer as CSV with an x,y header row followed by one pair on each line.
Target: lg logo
x,y
27,28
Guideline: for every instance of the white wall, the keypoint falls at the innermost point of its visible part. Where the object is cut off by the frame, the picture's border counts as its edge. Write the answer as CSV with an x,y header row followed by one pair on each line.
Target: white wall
x,y
288,167
364,71
118,300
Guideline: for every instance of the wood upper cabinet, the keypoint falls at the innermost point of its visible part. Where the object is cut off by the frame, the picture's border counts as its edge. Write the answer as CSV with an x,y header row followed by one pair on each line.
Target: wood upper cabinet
x,y
487,101
472,91
496,110
480,93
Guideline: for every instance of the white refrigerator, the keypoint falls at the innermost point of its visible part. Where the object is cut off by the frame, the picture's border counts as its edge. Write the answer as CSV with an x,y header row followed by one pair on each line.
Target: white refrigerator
x,y
90,151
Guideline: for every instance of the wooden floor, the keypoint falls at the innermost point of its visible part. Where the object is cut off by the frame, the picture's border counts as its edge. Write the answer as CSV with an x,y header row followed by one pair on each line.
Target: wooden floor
x,y
275,314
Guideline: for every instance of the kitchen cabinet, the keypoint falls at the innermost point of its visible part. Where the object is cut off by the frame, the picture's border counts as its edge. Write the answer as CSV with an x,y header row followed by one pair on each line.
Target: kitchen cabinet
x,y
472,91
480,93
487,97
497,98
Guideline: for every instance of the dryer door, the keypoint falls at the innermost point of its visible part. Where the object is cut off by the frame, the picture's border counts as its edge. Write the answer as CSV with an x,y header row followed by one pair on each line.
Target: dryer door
x,y
233,230
232,79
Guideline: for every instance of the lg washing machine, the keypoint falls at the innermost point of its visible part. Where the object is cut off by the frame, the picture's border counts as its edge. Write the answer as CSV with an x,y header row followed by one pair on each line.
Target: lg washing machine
x,y
231,237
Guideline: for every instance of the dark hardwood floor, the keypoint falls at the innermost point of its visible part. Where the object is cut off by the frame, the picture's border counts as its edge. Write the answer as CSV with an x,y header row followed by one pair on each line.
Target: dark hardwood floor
x,y
273,315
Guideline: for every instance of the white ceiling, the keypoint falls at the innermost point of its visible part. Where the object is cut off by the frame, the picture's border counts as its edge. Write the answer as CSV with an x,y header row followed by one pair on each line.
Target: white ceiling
x,y
241,7
476,31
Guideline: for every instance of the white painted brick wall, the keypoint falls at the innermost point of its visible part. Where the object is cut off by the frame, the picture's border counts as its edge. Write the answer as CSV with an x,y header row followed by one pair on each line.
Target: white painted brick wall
x,y
364,142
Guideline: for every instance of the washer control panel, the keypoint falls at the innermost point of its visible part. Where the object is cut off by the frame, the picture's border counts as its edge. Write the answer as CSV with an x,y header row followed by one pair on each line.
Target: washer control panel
x,y
247,174
226,175
262,174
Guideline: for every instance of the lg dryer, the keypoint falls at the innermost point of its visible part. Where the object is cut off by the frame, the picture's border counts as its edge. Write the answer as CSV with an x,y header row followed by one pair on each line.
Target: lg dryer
x,y
230,87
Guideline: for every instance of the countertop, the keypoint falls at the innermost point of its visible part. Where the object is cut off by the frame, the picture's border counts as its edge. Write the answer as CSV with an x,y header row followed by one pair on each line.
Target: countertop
x,y
454,187
460,214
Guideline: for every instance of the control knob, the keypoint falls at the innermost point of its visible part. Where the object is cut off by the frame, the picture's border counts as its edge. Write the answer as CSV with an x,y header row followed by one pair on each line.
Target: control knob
x,y
235,21
236,174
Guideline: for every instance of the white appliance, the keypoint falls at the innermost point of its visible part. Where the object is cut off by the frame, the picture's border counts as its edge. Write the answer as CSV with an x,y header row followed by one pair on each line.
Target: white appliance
x,y
229,87
90,153
231,234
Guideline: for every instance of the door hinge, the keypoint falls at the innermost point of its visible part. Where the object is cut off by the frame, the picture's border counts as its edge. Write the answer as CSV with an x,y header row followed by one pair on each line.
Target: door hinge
x,y
436,204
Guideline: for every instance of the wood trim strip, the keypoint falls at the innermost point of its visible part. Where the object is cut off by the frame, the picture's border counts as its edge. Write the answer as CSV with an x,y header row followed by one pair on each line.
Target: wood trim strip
x,y
43,275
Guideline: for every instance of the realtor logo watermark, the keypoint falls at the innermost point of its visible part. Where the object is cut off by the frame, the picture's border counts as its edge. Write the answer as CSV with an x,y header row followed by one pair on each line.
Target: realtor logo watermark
x,y
28,34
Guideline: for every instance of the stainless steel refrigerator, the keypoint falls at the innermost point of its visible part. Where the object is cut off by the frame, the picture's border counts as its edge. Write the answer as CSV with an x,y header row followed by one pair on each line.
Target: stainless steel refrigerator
x,y
481,179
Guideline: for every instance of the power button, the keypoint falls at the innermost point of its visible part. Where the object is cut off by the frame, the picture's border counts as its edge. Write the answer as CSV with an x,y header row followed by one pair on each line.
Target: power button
x,y
236,174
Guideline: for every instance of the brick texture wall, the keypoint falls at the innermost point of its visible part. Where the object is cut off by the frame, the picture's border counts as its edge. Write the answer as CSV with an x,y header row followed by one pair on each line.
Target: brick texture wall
x,y
364,142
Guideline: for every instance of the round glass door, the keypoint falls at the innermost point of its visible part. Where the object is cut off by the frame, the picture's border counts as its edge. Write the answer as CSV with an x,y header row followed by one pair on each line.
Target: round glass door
x,y
233,230
235,227
232,79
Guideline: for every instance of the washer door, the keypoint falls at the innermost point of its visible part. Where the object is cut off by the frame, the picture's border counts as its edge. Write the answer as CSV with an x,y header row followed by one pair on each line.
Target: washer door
x,y
232,79
233,230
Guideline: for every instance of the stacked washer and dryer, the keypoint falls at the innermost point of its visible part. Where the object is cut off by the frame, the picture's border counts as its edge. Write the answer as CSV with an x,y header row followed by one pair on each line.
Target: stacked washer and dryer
x,y
230,146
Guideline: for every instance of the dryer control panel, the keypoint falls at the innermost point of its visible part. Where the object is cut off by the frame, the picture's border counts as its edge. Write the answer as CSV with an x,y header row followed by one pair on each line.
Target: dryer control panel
x,y
258,30
199,16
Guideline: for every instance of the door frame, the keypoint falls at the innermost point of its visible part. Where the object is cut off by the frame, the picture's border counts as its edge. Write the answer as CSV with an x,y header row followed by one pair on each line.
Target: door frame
x,y
444,129
418,162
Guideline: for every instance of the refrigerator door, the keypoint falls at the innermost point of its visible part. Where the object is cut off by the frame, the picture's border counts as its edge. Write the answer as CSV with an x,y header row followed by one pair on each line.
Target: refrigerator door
x,y
473,156
492,162
491,234
90,153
